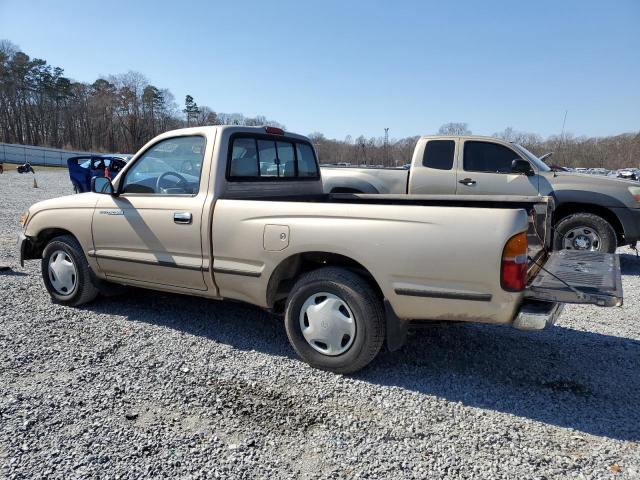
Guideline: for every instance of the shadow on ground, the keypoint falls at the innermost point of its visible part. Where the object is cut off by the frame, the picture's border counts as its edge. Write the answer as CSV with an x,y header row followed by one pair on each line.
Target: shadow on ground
x,y
12,273
573,379
581,380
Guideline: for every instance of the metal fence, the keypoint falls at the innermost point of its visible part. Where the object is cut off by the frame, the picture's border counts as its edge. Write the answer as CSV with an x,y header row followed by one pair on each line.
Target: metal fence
x,y
54,157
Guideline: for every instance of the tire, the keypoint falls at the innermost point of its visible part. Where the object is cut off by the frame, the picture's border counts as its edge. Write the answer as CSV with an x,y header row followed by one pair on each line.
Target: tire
x,y
73,286
361,305
607,240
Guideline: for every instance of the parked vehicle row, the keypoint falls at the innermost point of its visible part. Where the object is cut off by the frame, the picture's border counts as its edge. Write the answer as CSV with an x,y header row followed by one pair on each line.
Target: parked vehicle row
x,y
239,213
593,213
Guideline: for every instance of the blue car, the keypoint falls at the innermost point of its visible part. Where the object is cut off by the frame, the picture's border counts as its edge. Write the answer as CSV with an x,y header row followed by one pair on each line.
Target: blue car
x,y
83,168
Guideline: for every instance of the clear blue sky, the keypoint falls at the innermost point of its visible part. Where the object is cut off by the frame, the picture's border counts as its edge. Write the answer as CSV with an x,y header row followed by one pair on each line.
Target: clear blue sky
x,y
347,67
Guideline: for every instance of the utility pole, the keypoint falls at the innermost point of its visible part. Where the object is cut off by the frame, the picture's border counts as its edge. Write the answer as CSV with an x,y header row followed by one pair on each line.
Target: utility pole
x,y
364,153
386,147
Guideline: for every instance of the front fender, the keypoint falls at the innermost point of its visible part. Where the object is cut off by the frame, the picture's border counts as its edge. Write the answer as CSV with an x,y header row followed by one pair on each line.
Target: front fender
x,y
582,196
626,216
55,217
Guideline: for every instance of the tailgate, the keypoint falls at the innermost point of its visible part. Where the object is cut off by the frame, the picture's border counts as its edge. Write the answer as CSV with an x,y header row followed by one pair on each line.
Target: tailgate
x,y
571,276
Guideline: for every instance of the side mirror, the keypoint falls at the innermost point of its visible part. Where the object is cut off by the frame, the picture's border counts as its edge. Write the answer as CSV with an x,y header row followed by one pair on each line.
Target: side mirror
x,y
521,166
102,185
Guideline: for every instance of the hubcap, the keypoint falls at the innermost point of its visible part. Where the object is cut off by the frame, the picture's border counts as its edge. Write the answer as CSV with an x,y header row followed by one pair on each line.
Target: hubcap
x,y
582,238
62,272
327,324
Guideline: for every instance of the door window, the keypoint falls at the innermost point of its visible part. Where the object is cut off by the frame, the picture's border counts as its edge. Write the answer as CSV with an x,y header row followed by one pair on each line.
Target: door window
x,y
170,167
438,154
488,157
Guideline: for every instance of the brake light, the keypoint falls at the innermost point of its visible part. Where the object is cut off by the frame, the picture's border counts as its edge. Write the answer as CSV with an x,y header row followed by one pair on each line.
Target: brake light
x,y
513,271
274,130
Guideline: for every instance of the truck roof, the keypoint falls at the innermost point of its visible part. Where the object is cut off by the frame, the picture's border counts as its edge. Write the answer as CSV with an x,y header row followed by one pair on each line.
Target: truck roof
x,y
227,129
468,137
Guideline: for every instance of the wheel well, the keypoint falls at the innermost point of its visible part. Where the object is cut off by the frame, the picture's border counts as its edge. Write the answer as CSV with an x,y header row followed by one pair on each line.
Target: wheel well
x,y
285,275
40,241
566,209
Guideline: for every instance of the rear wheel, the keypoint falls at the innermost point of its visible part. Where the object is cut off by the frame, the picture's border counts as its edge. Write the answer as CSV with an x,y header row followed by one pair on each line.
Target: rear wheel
x,y
334,320
585,231
66,273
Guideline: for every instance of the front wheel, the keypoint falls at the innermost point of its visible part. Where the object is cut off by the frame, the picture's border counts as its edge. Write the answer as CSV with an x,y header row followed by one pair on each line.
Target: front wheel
x,y
334,320
585,231
66,273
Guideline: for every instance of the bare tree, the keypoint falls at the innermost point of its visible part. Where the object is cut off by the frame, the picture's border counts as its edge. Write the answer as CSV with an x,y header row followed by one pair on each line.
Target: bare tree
x,y
454,128
40,106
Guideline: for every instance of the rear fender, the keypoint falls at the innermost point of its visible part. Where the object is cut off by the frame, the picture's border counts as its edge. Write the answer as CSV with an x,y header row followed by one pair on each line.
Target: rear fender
x,y
362,186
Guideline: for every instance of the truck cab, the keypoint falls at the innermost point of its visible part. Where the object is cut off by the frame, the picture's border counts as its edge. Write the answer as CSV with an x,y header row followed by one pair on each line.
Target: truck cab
x,y
476,165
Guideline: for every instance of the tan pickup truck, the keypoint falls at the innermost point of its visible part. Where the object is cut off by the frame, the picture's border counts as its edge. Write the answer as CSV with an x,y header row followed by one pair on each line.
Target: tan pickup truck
x,y
239,213
592,212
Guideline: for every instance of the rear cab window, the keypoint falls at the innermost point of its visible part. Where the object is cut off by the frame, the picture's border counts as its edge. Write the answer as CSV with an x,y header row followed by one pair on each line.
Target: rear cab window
x,y
254,157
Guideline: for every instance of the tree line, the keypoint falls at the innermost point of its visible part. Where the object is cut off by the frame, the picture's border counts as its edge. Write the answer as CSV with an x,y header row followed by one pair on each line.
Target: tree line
x,y
39,105
612,152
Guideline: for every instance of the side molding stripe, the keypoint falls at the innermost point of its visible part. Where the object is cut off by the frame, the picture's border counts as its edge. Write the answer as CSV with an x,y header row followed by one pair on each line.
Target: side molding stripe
x,y
477,297
231,271
158,263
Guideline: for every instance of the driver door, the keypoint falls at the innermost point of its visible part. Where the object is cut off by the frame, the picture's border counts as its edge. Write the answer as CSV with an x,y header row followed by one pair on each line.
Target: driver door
x,y
151,231
485,169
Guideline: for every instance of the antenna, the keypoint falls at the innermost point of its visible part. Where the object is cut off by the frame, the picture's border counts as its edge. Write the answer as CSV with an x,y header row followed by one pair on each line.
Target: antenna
x,y
561,139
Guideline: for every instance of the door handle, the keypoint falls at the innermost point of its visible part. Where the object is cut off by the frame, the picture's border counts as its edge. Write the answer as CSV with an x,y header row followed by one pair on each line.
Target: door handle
x,y
182,217
467,181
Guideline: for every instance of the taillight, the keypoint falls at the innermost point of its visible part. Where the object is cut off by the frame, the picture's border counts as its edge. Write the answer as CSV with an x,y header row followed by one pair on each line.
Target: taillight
x,y
274,130
513,271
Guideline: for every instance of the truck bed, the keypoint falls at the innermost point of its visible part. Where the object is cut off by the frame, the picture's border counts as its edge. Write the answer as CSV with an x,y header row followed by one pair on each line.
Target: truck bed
x,y
539,209
385,180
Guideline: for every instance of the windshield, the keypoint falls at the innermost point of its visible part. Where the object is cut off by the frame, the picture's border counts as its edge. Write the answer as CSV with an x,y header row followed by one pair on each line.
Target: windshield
x,y
543,167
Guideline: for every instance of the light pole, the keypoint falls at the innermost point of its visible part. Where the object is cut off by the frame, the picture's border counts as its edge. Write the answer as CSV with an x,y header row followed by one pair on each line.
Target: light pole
x,y
386,147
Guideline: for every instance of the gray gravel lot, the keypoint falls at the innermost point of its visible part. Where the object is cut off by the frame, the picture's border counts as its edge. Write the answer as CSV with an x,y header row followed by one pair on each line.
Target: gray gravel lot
x,y
160,385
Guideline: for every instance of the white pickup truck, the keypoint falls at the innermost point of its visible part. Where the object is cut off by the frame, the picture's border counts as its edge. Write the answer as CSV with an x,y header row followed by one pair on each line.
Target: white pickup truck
x,y
238,213
592,212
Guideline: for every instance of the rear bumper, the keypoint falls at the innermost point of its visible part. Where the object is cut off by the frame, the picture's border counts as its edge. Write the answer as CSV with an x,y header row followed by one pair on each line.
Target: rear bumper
x,y
535,315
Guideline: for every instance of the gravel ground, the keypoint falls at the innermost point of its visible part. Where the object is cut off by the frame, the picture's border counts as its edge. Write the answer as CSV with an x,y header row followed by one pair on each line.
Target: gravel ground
x,y
159,385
